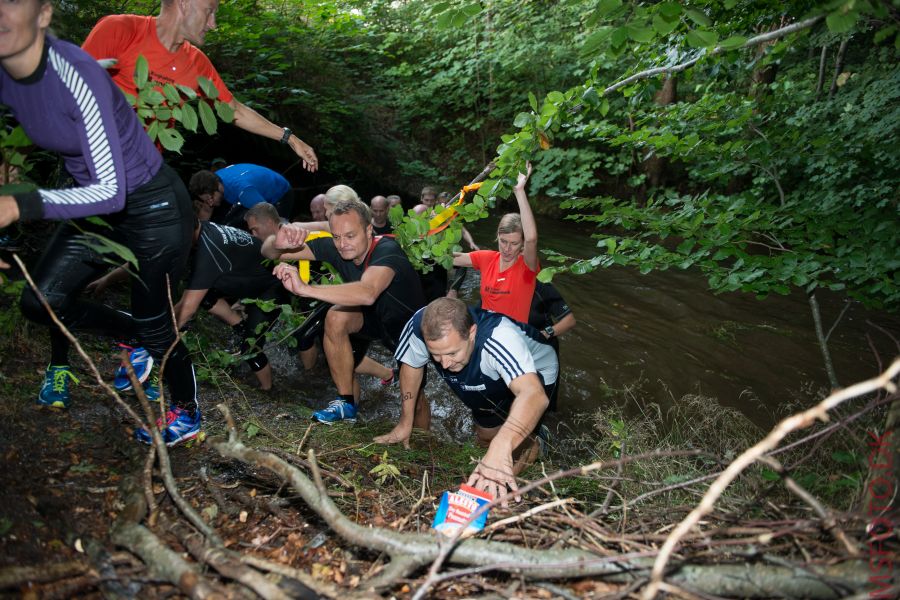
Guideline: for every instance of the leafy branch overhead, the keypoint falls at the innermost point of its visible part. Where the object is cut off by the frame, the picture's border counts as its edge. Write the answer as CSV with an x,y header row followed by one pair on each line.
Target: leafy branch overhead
x,y
766,185
164,110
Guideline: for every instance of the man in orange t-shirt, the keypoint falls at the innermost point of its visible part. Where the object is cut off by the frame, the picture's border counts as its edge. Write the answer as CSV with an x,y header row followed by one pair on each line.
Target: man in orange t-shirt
x,y
168,43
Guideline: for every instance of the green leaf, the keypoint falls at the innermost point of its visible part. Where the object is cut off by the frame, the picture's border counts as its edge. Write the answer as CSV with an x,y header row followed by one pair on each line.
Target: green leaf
x,y
604,107
698,17
189,92
153,130
460,19
701,39
17,138
619,36
847,458
590,96
208,88
207,118
595,40
840,21
607,6
770,475
251,429
171,94
171,139
225,112
522,119
662,26
141,72
640,33
472,9
884,33
189,117
98,221
445,19
532,101
103,245
670,11
735,41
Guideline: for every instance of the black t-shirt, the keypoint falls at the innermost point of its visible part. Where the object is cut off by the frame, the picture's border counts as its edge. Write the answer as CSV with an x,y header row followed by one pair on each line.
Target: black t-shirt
x,y
547,308
400,300
384,229
229,260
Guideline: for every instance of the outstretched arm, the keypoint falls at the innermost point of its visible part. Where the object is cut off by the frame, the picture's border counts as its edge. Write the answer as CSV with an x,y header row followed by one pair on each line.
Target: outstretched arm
x,y
288,243
494,473
462,259
249,120
529,227
188,305
410,383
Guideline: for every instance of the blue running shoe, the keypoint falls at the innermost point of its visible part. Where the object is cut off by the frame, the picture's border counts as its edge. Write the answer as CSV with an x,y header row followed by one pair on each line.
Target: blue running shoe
x,y
142,363
180,427
151,389
337,411
55,391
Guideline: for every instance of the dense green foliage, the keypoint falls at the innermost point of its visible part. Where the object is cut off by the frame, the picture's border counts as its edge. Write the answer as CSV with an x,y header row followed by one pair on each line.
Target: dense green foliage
x,y
758,167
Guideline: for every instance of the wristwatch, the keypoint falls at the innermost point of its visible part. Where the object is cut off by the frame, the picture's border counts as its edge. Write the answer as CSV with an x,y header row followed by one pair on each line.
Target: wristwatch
x,y
286,135
549,331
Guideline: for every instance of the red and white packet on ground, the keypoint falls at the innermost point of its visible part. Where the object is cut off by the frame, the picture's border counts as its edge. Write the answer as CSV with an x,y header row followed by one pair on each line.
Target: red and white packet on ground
x,y
457,507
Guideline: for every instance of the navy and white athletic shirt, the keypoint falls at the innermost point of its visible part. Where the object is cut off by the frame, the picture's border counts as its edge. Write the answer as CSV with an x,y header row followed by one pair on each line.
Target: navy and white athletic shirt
x,y
504,350
70,105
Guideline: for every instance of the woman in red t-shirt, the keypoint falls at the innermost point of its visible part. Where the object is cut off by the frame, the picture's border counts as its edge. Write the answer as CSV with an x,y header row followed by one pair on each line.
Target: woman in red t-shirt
x,y
508,276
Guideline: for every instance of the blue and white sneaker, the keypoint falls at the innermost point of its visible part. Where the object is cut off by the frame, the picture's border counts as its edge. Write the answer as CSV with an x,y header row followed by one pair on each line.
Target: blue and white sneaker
x,y
55,391
142,363
151,389
338,411
180,427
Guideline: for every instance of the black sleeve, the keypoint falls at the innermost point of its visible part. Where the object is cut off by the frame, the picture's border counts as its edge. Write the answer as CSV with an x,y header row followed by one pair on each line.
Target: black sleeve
x,y
554,304
388,254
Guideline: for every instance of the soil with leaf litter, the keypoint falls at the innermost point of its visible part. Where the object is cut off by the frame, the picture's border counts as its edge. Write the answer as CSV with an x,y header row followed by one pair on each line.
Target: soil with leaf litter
x,y
60,488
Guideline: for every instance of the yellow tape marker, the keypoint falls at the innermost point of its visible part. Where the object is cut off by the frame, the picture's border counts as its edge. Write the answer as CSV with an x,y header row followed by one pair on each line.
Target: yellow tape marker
x,y
303,265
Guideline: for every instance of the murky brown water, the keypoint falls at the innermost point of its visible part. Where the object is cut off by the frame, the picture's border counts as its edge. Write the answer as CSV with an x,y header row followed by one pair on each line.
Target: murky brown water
x,y
657,337
665,335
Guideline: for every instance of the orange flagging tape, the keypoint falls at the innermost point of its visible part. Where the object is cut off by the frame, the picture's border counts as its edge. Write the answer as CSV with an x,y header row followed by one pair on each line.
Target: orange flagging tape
x,y
442,220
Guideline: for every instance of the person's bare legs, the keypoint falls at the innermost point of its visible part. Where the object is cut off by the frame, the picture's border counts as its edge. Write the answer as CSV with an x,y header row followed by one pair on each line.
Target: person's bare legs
x,y
340,322
264,377
224,312
369,366
309,357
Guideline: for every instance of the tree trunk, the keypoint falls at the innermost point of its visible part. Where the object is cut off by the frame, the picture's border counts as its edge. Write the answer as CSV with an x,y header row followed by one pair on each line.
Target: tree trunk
x,y
823,341
654,164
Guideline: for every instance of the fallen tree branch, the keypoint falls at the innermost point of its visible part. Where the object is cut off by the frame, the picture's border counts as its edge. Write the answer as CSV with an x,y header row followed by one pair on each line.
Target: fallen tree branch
x,y
746,580
19,576
161,561
788,425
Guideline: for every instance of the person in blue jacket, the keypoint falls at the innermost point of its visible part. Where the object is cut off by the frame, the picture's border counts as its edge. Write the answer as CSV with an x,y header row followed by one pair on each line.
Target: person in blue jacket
x,y
67,104
242,186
